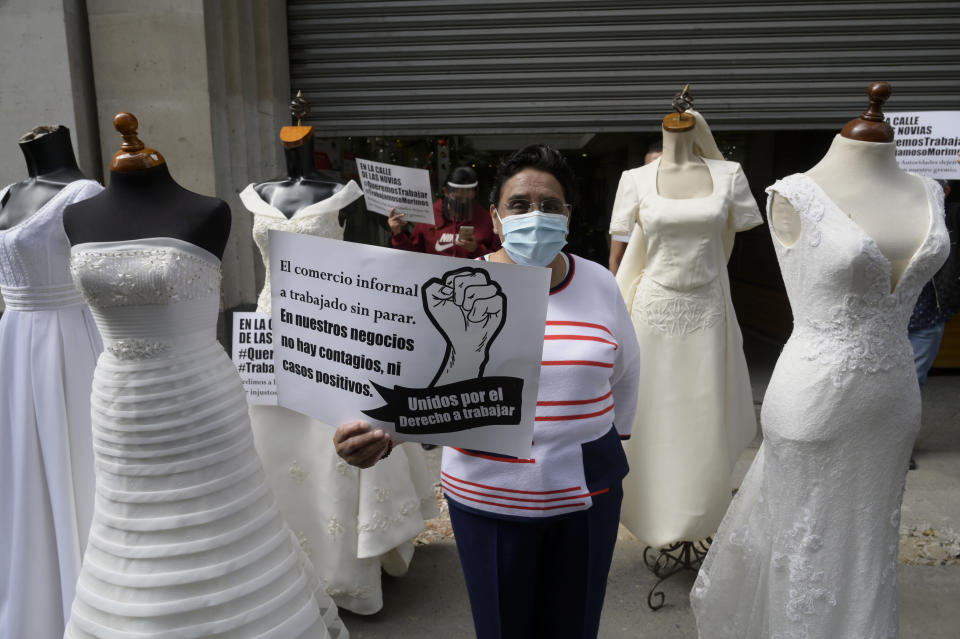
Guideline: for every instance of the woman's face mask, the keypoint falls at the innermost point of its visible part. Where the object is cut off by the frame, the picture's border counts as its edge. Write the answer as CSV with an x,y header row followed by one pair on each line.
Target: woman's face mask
x,y
534,239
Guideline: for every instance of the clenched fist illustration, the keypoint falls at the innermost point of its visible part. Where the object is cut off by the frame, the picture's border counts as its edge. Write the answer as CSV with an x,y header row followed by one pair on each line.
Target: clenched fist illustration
x,y
468,309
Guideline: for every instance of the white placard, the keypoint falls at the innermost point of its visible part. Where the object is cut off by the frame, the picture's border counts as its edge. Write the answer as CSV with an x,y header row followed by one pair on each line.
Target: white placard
x,y
253,356
387,186
432,349
928,142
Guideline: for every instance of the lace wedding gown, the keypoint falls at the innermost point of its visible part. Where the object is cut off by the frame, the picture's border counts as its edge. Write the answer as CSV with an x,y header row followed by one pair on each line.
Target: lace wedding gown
x,y
187,539
350,522
695,413
808,548
48,349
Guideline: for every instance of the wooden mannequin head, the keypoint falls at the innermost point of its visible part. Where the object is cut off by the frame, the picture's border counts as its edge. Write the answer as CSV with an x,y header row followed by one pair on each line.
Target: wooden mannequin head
x,y
295,136
133,154
679,121
870,127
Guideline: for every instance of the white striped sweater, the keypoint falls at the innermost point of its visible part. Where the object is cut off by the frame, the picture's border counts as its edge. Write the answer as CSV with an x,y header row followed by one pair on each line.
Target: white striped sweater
x,y
588,384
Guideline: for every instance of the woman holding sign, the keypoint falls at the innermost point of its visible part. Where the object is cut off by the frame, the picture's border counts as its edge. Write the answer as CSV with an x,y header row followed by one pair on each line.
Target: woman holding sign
x,y
536,535
461,228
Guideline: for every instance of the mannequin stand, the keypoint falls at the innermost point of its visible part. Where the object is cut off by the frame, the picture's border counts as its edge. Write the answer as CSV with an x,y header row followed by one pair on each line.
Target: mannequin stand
x,y
679,557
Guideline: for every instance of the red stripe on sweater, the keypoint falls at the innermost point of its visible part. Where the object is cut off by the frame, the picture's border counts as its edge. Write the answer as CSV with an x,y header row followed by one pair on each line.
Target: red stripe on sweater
x,y
585,324
575,362
560,418
590,338
446,484
515,507
575,402
509,460
509,490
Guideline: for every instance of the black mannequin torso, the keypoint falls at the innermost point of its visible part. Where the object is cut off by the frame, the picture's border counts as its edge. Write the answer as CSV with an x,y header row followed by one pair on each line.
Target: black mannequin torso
x,y
148,203
302,186
51,165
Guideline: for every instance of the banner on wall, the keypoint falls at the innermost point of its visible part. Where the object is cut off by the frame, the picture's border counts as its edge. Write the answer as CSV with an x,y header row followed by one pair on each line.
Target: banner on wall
x,y
432,349
253,356
928,142
388,186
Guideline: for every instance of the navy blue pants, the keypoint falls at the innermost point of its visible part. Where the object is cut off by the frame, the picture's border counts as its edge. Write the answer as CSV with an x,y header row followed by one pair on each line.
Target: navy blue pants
x,y
538,578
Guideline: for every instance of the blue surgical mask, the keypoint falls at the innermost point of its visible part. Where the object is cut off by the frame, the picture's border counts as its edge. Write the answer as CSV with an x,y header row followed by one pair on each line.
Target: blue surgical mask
x,y
534,239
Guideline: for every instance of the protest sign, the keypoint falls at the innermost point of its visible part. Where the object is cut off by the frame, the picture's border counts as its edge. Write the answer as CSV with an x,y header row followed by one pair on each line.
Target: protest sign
x,y
432,349
928,142
253,356
387,186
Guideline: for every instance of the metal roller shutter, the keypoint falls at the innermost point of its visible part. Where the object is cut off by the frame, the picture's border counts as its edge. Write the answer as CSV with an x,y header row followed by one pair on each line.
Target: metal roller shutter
x,y
415,67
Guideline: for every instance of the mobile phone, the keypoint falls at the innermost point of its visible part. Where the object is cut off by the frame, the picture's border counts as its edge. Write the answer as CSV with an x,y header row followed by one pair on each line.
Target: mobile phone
x,y
465,233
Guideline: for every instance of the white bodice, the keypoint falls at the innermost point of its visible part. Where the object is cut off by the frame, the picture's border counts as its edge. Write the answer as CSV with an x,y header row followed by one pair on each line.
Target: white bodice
x,y
319,218
149,296
684,238
845,311
35,254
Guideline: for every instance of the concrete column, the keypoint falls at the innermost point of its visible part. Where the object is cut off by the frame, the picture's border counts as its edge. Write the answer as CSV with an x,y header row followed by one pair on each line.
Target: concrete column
x,y
249,89
208,81
45,78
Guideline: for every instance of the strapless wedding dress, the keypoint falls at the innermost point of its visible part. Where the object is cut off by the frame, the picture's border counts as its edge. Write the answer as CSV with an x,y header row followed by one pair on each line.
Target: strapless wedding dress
x,y
187,539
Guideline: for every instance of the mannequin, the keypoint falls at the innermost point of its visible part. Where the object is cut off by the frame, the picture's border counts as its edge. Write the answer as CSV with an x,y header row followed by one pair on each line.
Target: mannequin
x,y
186,537
860,175
809,545
312,485
51,165
142,200
48,349
682,173
303,185
695,413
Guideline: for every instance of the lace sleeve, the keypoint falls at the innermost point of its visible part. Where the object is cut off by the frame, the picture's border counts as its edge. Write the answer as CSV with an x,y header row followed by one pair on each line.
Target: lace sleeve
x,y
797,190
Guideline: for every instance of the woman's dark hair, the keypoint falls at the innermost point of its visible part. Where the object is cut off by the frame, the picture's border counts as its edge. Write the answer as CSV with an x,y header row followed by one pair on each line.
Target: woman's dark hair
x,y
542,158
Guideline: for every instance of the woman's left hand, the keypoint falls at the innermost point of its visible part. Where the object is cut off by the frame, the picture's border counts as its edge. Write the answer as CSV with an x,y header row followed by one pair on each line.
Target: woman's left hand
x,y
360,446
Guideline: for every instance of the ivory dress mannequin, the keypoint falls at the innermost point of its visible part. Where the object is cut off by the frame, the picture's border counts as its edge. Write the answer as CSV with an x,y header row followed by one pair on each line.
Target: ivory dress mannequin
x,y
48,349
352,523
695,413
808,547
187,539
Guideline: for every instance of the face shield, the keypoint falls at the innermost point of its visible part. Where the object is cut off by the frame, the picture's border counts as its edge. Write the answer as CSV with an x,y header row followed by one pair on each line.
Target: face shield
x,y
458,201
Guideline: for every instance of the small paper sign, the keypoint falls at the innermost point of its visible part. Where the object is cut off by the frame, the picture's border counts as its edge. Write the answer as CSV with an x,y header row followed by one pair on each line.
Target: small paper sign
x,y
928,142
253,356
388,186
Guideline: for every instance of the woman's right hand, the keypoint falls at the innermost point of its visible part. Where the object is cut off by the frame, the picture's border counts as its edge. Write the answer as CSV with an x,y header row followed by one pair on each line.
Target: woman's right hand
x,y
358,445
396,221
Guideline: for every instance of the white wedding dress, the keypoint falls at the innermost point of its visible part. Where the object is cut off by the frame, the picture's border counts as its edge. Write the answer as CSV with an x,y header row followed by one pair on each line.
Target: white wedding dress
x,y
808,548
187,539
48,349
351,522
